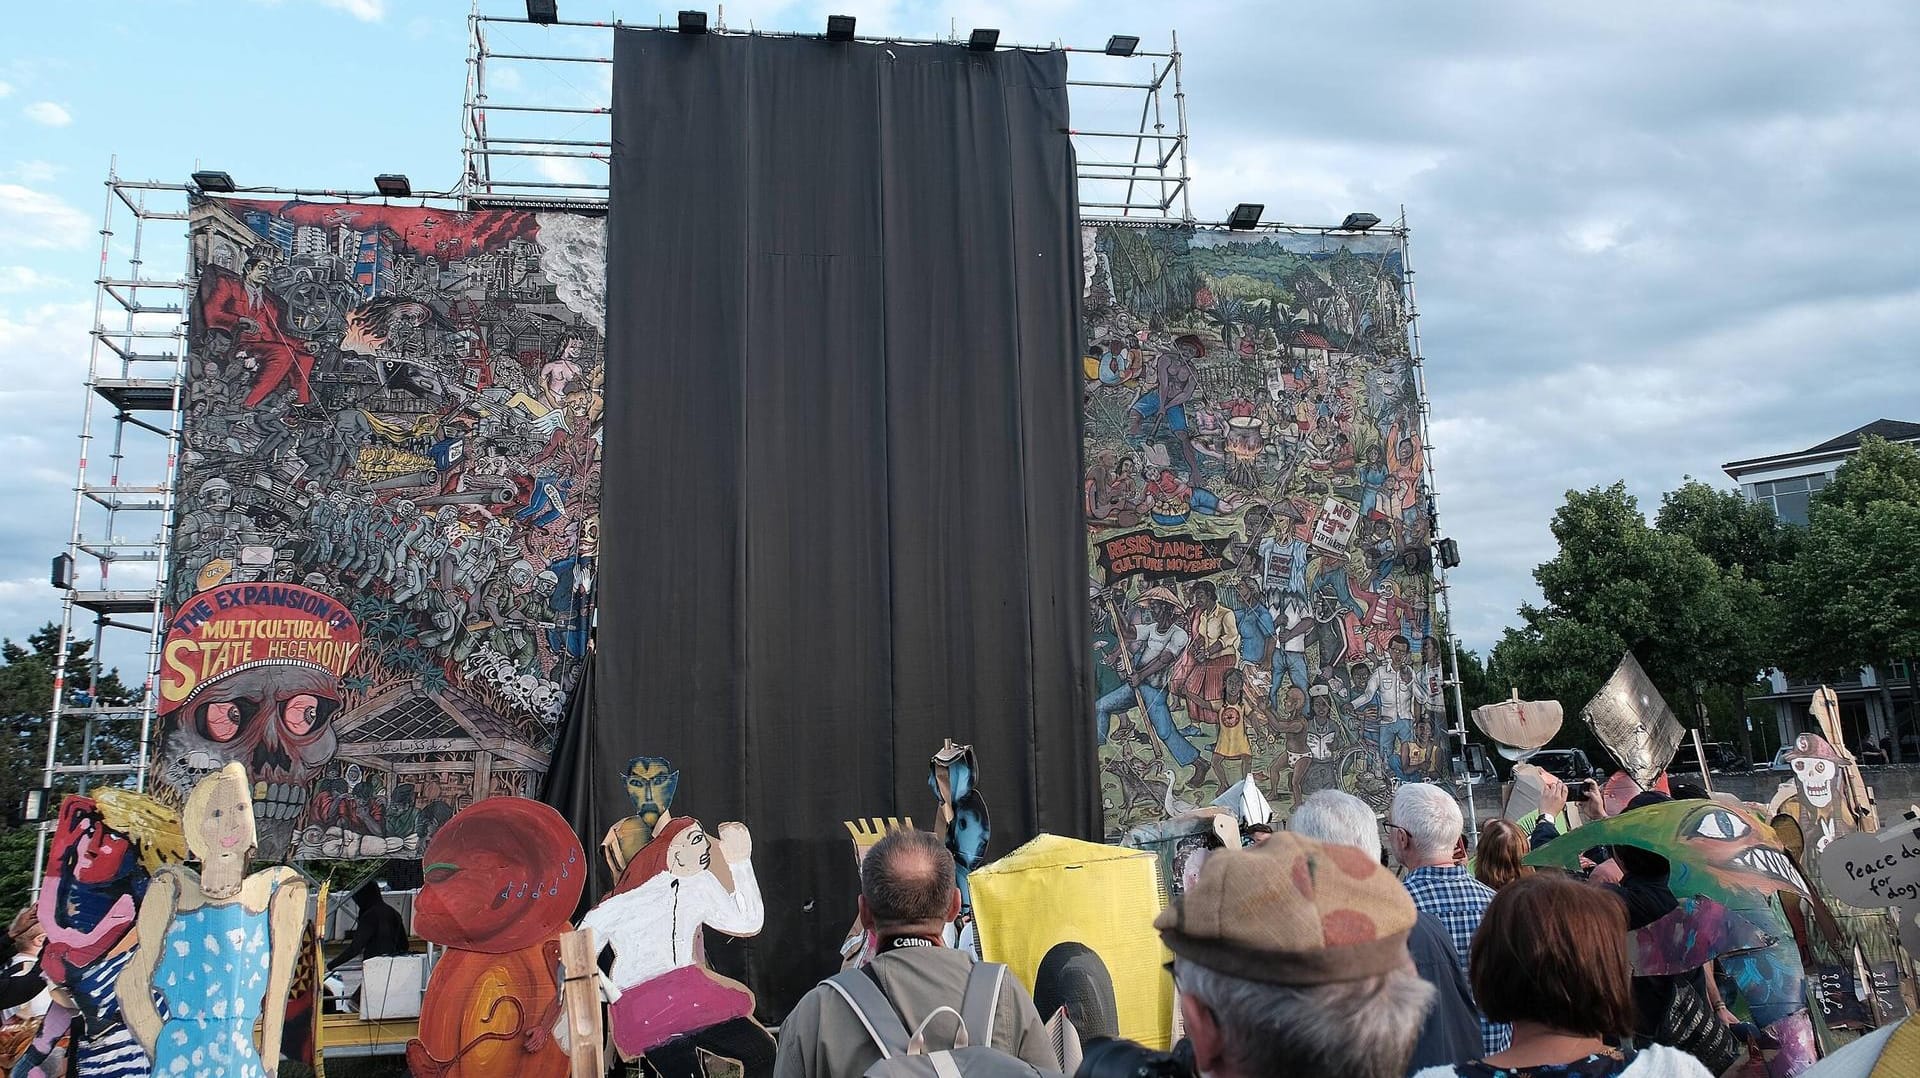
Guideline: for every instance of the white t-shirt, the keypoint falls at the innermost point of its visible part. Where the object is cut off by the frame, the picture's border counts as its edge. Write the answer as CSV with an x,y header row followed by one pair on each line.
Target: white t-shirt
x,y
1157,644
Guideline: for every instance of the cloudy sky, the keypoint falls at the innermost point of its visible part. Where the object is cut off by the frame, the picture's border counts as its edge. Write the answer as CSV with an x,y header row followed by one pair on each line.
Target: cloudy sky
x,y
1651,237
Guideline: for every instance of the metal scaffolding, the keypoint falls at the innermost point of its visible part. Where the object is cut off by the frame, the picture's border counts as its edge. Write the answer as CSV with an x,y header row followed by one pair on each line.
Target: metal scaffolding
x,y
536,122
123,502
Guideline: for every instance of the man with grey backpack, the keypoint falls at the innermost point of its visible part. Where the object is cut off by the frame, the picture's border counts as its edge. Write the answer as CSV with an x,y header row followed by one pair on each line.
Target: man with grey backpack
x,y
919,1009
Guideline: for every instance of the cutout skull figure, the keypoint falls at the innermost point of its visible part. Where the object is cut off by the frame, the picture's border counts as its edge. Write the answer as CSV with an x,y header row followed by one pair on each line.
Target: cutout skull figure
x,y
1815,766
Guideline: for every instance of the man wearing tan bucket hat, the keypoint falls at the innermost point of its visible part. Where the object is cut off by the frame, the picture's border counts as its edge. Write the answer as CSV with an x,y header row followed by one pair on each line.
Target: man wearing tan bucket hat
x,y
1291,957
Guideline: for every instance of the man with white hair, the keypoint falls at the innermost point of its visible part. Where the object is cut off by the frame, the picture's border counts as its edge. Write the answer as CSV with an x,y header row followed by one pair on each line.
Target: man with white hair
x,y
1424,833
1451,1032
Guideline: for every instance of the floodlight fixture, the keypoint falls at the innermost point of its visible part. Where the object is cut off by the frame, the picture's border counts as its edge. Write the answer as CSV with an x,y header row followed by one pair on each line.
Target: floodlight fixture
x,y
218,183
1122,44
693,22
34,810
1449,554
543,12
840,28
1359,222
63,572
1245,216
393,185
984,40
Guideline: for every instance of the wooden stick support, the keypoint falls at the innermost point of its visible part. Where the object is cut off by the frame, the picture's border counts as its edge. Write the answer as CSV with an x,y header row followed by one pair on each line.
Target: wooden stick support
x,y
580,994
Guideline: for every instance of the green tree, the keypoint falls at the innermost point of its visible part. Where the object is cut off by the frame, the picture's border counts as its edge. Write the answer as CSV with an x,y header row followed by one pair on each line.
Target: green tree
x,y
1618,584
1747,539
1854,586
26,697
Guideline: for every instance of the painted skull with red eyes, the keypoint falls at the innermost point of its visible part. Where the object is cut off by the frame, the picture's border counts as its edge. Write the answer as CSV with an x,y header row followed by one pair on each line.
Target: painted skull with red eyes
x,y
276,717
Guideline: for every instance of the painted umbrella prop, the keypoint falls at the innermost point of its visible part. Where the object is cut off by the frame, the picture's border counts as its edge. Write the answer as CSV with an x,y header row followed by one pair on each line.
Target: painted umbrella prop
x,y
1732,857
1520,724
1631,719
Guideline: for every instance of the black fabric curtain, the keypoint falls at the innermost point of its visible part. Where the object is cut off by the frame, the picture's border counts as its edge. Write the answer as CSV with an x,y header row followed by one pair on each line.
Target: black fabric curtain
x,y
841,506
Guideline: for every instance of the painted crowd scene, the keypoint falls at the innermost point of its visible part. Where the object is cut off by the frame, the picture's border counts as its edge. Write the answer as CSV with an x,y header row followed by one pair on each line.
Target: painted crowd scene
x,y
1259,559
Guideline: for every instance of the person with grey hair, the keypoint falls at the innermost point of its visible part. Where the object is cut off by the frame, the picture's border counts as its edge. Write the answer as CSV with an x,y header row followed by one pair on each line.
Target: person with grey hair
x,y
1426,834
1451,1032
907,897
1291,958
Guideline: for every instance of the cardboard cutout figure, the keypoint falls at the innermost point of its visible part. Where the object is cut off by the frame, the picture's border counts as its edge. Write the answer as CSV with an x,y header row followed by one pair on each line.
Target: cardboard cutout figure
x,y
1631,719
1520,724
501,878
218,946
104,848
671,1007
1731,856
962,821
651,782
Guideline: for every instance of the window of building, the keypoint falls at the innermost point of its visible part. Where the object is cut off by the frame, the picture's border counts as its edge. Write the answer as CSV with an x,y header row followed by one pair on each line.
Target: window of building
x,y
1790,497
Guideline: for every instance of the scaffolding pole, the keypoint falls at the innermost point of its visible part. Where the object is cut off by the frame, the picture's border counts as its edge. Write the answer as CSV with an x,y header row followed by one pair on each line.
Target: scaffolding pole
x,y
494,166
142,392
1457,734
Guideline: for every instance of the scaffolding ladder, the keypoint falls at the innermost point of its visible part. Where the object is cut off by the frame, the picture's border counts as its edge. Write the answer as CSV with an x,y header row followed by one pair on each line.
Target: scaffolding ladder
x,y
123,498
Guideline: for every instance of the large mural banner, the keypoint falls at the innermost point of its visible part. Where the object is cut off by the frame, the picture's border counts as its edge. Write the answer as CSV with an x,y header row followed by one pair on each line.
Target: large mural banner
x,y
381,576
1259,558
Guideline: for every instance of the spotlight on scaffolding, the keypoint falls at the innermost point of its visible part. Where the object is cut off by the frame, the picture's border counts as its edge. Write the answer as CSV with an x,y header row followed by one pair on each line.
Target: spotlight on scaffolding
x,y
544,12
1449,552
393,185
693,22
1245,216
983,40
839,28
63,572
1359,222
1122,44
218,183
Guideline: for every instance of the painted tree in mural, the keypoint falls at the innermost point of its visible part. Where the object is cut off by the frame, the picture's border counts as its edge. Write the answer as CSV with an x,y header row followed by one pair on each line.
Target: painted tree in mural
x,y
383,563
1260,576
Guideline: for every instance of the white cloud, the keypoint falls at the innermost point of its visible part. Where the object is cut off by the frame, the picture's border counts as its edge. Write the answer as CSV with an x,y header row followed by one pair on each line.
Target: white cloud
x,y
25,279
32,172
364,10
48,113
6,89
33,218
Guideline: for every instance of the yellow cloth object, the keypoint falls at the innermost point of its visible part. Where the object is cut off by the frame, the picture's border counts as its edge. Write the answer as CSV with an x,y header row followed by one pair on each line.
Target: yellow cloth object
x,y
1901,1057
1054,890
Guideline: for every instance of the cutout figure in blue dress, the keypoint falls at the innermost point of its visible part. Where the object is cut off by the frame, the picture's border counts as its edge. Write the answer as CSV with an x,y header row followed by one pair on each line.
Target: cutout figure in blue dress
x,y
218,947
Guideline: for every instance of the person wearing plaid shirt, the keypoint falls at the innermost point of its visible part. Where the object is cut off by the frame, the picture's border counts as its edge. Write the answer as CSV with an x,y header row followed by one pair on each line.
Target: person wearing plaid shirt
x,y
1426,834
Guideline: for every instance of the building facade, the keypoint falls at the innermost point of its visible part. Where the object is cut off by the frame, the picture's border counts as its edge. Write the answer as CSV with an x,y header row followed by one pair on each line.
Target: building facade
x,y
1788,482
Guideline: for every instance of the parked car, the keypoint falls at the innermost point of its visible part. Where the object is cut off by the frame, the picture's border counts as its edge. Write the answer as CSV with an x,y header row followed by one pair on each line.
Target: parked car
x,y
1476,768
1722,759
1568,765
1780,760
